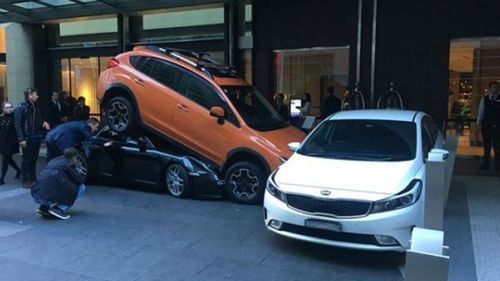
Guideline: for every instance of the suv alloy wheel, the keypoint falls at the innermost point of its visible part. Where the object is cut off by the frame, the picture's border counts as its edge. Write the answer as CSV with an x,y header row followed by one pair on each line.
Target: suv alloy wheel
x,y
119,114
245,183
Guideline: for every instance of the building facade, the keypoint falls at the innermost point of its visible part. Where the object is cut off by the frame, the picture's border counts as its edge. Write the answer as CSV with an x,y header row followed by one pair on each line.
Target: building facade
x,y
428,49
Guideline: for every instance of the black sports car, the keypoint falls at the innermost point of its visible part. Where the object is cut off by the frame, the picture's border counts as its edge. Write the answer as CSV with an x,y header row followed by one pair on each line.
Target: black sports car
x,y
139,162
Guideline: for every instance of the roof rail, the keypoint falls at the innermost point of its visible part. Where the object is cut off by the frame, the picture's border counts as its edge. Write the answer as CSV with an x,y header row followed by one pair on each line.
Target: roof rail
x,y
202,61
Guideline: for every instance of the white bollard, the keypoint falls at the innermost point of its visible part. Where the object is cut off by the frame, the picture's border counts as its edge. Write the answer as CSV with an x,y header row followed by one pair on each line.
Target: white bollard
x,y
435,188
427,259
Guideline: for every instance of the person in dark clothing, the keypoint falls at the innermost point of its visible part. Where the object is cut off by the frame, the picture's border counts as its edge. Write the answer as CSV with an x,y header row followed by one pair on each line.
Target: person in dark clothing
x,y
488,123
281,106
331,103
59,184
69,104
82,111
56,111
8,141
70,134
30,129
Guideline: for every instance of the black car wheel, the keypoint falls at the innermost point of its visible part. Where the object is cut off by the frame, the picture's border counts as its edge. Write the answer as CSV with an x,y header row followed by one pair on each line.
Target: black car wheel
x,y
245,183
119,115
82,165
177,180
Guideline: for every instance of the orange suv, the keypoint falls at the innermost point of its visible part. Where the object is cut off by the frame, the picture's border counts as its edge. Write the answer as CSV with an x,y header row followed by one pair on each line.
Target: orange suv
x,y
201,106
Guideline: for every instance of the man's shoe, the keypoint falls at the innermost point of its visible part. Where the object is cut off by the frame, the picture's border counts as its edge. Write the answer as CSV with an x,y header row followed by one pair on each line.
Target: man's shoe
x,y
27,184
58,213
43,210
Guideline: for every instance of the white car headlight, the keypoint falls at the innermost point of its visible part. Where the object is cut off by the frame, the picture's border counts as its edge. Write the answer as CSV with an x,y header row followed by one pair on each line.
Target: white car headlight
x,y
405,198
272,187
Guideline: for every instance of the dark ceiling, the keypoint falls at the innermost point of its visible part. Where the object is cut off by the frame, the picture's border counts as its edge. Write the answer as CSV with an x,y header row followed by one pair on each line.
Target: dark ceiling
x,y
41,11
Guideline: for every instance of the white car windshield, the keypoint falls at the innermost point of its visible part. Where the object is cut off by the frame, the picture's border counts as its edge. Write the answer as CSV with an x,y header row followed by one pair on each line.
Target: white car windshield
x,y
365,140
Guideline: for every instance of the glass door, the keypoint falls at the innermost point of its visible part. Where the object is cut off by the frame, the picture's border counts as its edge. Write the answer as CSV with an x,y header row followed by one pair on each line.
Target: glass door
x,y
473,64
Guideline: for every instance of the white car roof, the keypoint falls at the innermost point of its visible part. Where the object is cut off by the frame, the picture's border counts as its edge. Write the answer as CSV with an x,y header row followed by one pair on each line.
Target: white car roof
x,y
377,114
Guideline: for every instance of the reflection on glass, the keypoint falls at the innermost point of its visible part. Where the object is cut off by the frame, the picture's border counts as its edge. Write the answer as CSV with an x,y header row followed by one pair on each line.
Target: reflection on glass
x,y
473,64
79,77
313,71
3,82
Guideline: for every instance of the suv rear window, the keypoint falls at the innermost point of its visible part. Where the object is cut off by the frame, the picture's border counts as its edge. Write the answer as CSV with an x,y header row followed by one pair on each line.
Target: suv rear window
x,y
365,140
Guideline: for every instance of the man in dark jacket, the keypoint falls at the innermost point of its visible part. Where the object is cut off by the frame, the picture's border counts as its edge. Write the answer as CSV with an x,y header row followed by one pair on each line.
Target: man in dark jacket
x,y
331,103
81,111
59,184
30,129
70,134
56,111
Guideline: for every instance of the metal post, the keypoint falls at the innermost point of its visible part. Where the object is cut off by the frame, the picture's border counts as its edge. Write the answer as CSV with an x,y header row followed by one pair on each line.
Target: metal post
x,y
374,44
358,45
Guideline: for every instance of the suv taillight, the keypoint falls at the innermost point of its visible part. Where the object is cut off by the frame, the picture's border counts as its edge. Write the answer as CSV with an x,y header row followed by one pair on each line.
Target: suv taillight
x,y
113,63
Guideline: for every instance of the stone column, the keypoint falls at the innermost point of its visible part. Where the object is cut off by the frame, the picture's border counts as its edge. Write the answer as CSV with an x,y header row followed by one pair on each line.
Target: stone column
x,y
19,58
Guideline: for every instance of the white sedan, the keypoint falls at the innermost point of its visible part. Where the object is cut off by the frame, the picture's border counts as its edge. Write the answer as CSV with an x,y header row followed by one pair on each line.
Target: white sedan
x,y
357,181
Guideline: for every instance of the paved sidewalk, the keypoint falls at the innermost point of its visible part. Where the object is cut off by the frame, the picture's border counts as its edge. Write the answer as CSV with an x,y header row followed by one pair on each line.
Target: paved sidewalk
x,y
126,234
483,194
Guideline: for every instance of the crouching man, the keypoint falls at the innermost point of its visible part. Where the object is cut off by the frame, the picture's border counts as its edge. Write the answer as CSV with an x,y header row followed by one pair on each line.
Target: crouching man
x,y
58,185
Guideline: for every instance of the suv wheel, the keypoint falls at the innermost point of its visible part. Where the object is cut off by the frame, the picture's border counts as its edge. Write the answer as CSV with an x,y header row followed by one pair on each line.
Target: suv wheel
x,y
177,181
245,183
119,115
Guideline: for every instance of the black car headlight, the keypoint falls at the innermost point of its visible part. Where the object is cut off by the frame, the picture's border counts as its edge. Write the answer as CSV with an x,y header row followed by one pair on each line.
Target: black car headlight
x,y
405,198
272,187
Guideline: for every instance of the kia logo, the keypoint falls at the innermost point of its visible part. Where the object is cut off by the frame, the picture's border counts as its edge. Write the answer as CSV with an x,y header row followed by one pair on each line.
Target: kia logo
x,y
325,192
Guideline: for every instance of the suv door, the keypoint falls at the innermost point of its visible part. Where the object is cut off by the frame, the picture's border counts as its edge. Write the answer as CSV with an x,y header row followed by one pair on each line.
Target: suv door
x,y
195,127
158,86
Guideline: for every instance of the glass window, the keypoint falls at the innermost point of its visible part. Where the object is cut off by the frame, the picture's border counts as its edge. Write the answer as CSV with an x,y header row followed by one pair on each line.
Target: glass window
x,y
256,110
202,93
147,66
311,70
365,140
166,74
58,2
88,27
65,75
183,18
3,82
3,48
30,5
204,22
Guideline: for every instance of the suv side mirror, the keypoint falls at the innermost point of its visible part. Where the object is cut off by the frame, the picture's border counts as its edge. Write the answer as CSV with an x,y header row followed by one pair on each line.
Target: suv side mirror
x,y
218,111
294,146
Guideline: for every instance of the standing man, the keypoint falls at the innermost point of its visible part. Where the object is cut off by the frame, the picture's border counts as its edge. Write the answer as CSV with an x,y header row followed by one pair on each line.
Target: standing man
x,y
29,127
82,111
331,103
69,104
281,107
56,111
69,135
488,123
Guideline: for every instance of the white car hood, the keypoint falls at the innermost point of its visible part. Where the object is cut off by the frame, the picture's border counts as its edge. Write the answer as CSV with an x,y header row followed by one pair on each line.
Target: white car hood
x,y
362,180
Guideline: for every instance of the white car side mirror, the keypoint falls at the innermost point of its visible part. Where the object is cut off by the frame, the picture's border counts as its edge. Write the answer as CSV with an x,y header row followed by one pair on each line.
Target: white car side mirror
x,y
294,146
438,155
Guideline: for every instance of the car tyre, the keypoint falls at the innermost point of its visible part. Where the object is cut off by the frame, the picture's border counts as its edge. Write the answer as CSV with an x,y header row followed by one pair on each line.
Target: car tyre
x,y
120,115
177,181
84,167
245,183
